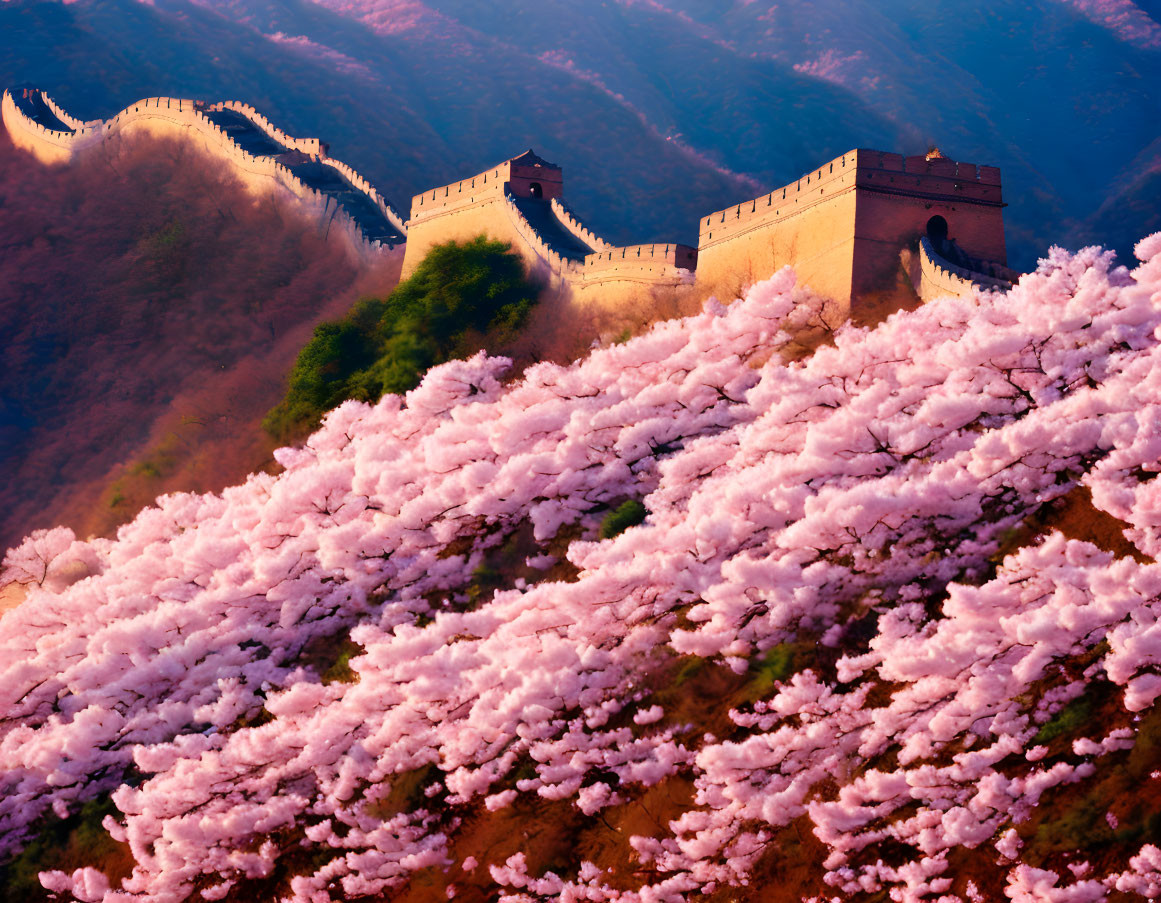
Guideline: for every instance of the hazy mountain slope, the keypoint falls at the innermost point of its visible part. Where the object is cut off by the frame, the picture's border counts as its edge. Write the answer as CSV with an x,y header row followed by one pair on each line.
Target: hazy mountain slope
x,y
1061,94
150,310
1134,197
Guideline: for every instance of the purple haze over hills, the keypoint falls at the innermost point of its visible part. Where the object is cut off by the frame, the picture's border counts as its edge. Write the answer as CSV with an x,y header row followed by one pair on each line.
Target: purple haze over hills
x,y
660,112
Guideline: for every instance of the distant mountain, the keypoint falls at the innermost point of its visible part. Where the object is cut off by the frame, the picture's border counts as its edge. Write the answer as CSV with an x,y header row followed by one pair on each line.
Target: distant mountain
x,y
1132,199
659,113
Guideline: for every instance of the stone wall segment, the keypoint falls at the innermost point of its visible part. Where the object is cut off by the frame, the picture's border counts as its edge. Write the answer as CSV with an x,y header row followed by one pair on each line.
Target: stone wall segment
x,y
187,119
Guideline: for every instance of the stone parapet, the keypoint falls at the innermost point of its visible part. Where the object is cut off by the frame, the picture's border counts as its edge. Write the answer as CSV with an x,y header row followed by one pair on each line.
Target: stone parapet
x,y
869,170
660,259
841,225
456,195
389,212
570,222
940,278
71,121
935,177
309,146
559,266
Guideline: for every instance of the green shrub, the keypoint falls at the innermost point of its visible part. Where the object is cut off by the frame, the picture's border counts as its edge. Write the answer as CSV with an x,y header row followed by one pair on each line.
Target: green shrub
x,y
622,518
459,292
340,670
485,581
692,666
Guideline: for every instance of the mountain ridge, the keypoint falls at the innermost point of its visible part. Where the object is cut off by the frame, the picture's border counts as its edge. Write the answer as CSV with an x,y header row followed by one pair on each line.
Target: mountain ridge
x,y
745,109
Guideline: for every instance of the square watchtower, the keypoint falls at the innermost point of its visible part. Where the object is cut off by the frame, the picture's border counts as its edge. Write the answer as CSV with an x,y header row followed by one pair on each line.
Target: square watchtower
x,y
842,226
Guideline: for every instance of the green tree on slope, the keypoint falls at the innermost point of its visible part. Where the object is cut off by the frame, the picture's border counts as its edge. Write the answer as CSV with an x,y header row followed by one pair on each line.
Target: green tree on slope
x,y
460,297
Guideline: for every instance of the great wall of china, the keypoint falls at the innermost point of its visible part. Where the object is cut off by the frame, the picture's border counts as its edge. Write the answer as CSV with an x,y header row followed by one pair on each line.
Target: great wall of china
x,y
871,230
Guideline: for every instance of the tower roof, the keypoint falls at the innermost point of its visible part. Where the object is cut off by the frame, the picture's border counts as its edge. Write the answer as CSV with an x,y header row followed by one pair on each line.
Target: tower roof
x,y
529,158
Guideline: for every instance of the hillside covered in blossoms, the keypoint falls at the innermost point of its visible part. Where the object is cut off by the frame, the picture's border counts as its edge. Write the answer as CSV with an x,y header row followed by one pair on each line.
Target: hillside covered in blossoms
x,y
888,628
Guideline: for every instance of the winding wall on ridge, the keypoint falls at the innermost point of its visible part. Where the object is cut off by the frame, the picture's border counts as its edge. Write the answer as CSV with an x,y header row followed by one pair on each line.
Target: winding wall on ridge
x,y
841,226
263,155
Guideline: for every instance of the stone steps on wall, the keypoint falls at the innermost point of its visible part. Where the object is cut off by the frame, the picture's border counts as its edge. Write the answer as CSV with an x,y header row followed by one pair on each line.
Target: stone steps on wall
x,y
541,217
246,134
326,179
32,104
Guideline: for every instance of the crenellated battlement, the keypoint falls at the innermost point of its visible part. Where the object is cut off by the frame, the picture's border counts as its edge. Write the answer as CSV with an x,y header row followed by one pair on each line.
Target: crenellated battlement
x,y
524,176
385,207
558,264
651,257
569,220
309,146
842,225
456,196
520,201
938,277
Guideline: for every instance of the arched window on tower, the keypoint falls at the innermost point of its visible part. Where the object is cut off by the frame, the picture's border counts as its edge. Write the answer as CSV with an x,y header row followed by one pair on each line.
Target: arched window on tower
x,y
535,189
937,230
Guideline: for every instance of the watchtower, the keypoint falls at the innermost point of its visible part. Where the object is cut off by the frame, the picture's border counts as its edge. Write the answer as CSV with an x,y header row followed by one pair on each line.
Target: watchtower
x,y
480,206
530,176
842,226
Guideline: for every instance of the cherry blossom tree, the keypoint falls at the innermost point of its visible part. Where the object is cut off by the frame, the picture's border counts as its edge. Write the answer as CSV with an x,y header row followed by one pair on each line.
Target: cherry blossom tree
x,y
864,499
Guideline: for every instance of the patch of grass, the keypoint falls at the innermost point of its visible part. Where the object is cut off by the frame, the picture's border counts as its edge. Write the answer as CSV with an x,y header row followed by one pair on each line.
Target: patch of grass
x,y
485,581
330,658
169,236
1081,826
626,515
504,564
406,793
525,771
140,481
772,668
259,718
1073,817
692,667
166,253
776,666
